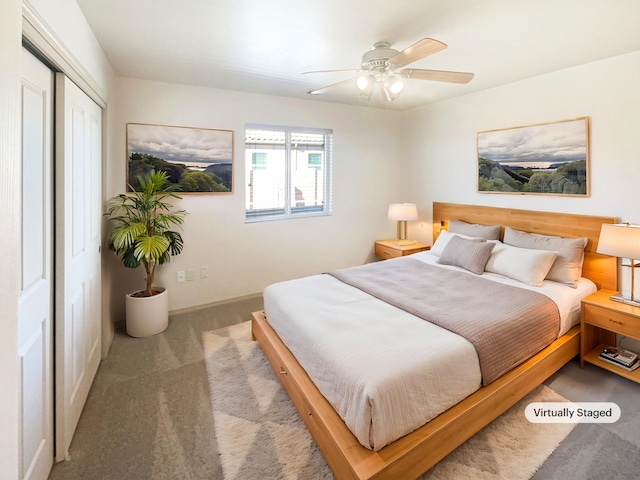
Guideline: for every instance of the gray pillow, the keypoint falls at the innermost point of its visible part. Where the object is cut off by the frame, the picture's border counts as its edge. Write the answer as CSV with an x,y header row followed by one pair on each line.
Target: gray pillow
x,y
567,267
468,254
488,232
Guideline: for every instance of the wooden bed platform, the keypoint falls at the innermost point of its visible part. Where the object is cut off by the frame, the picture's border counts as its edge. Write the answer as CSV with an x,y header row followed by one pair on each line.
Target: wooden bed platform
x,y
415,453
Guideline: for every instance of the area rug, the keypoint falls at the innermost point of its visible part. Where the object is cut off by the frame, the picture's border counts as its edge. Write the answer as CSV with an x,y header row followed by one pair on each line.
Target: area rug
x,y
260,435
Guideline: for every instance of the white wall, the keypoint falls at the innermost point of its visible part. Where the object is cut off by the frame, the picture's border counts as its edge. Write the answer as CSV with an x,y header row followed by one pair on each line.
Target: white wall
x,y
441,138
244,258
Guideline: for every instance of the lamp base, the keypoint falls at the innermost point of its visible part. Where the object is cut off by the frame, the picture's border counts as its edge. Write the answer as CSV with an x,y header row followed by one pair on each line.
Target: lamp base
x,y
406,242
626,301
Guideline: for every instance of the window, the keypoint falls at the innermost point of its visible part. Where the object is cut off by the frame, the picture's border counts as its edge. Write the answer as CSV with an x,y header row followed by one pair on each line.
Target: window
x,y
288,172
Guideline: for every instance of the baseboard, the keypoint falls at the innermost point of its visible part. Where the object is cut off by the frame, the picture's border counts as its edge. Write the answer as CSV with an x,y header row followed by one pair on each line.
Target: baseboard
x,y
213,304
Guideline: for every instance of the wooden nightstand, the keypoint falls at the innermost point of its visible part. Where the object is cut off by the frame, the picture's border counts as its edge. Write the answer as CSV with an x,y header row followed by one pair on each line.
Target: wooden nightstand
x,y
389,249
601,320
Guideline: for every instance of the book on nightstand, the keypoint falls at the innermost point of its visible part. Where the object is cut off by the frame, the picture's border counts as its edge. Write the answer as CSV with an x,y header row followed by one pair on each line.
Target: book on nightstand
x,y
622,358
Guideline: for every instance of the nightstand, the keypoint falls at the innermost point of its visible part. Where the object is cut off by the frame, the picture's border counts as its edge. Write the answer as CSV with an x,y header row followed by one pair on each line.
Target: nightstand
x,y
601,320
385,249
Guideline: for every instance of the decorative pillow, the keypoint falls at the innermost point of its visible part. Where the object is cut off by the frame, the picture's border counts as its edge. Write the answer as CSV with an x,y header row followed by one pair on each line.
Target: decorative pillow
x,y
443,239
468,254
567,268
523,264
488,232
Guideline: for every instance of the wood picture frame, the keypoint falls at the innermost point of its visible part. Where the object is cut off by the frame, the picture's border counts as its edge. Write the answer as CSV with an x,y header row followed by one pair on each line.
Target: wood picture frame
x,y
197,160
543,159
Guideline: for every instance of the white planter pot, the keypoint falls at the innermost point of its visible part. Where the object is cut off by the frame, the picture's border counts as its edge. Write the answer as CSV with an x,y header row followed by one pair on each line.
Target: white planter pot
x,y
147,315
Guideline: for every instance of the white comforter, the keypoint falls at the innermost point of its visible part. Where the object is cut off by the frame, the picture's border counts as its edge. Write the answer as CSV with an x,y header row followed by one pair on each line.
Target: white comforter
x,y
385,371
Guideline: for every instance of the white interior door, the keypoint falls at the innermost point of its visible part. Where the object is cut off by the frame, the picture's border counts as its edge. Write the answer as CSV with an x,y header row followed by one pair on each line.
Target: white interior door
x,y
78,221
35,304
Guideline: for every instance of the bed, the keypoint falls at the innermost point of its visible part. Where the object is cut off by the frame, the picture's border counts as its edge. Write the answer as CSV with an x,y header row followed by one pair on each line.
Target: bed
x,y
417,451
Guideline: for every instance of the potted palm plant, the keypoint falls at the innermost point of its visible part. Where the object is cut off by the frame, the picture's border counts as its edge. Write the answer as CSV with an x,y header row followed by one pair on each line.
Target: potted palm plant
x,y
142,235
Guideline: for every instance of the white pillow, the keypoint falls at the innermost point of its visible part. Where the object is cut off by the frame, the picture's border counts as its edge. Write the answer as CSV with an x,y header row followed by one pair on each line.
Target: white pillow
x,y
443,239
523,264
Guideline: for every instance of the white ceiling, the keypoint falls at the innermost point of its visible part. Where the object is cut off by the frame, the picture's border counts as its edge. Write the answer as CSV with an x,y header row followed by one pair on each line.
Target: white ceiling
x,y
264,46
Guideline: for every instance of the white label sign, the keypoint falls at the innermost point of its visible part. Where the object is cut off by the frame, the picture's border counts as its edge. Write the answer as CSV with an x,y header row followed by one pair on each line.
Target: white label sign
x,y
572,412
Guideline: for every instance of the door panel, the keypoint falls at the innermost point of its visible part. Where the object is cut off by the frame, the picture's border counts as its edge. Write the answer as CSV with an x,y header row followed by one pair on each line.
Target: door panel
x,y
78,270
35,304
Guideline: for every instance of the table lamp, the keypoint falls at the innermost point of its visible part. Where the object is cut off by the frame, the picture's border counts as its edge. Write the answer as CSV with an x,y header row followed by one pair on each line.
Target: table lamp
x,y
622,240
402,212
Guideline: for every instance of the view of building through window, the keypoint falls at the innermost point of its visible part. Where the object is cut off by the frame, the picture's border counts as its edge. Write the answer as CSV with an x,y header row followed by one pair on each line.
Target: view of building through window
x,y
288,172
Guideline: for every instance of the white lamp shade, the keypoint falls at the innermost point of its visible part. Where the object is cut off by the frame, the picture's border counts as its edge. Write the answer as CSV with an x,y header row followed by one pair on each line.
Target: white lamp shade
x,y
620,240
403,211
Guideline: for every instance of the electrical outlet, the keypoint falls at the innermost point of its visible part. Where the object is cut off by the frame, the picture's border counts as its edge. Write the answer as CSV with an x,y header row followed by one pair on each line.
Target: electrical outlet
x,y
203,272
181,276
191,275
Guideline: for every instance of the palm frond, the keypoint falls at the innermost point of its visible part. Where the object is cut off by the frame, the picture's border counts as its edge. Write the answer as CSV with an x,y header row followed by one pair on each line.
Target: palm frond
x,y
148,248
126,235
129,259
175,242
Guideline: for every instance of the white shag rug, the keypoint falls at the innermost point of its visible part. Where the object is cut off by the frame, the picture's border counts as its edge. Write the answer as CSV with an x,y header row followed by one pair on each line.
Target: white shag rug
x,y
260,435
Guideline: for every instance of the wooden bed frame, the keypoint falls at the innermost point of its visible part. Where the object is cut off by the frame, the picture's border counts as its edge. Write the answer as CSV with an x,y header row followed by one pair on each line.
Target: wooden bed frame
x,y
415,453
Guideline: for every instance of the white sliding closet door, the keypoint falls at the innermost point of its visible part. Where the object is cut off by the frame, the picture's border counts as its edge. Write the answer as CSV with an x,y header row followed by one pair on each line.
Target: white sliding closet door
x,y
78,220
35,304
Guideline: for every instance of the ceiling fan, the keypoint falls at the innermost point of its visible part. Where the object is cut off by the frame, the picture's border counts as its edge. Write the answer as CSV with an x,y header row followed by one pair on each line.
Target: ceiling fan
x,y
382,66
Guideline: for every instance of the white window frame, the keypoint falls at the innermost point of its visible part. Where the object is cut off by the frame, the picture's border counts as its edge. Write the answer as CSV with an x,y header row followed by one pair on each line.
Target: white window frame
x,y
290,210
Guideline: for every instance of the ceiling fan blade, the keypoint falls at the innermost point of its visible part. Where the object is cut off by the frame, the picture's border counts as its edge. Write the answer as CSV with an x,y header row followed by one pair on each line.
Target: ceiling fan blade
x,y
322,90
332,71
437,75
420,49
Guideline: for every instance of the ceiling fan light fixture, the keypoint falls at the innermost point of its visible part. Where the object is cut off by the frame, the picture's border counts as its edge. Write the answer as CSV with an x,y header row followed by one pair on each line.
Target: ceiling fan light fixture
x,y
392,88
394,84
365,82
383,66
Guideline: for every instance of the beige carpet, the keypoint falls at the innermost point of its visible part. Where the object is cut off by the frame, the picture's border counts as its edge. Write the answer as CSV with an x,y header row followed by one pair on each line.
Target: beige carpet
x,y
260,435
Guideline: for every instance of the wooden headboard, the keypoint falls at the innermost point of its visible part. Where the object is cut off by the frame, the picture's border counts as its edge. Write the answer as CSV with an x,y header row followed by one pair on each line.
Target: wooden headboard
x,y
600,269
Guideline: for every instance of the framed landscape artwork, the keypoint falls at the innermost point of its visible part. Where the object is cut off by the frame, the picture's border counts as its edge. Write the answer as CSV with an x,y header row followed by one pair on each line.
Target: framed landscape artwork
x,y
547,159
197,160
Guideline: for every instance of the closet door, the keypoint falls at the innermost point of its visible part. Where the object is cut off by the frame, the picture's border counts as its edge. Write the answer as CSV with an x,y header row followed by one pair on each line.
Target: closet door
x,y
78,283
35,304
